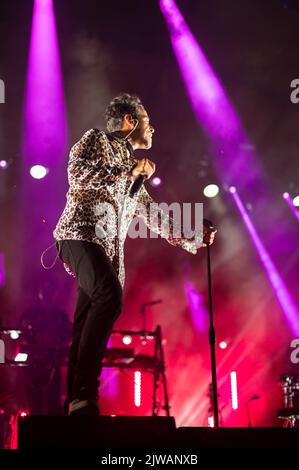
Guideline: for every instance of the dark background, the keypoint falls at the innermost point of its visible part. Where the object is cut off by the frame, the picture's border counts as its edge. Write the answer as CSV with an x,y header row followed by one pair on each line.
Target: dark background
x,y
111,47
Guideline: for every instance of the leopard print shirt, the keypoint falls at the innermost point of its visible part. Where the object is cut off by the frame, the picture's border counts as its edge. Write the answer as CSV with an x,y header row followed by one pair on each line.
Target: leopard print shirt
x,y
99,171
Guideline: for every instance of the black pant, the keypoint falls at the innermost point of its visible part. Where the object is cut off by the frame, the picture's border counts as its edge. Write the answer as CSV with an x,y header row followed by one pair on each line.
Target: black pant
x,y
99,303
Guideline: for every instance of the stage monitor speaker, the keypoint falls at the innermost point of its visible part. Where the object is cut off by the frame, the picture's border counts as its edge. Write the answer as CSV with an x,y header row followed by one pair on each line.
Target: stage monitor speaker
x,y
85,432
237,438
143,432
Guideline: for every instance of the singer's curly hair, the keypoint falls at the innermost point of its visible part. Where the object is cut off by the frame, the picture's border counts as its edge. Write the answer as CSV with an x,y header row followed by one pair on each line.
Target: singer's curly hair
x,y
118,107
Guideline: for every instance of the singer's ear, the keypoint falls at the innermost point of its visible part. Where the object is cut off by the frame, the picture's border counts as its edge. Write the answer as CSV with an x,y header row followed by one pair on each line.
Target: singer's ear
x,y
128,118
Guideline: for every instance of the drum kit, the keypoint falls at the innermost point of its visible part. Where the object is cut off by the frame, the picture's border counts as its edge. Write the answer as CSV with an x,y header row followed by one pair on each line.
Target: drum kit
x,y
290,411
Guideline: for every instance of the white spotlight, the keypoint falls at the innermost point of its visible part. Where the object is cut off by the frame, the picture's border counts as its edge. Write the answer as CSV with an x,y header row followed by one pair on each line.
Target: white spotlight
x,y
127,339
38,172
232,189
21,357
156,181
3,164
211,190
14,334
296,201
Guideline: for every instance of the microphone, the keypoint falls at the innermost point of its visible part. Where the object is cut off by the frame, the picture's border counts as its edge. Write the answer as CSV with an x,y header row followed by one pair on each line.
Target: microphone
x,y
207,223
137,185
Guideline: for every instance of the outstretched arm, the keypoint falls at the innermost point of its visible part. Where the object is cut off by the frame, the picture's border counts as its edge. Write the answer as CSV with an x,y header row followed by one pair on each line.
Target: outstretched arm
x,y
161,223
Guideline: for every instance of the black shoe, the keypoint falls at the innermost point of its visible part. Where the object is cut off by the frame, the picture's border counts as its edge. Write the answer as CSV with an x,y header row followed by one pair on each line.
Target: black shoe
x,y
84,408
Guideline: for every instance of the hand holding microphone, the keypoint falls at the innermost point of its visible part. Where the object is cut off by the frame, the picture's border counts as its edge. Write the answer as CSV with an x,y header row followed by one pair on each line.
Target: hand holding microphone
x,y
145,168
142,171
209,232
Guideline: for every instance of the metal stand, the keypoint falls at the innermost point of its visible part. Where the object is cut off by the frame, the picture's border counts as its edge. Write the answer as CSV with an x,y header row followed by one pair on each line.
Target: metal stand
x,y
153,363
248,414
290,412
159,369
212,337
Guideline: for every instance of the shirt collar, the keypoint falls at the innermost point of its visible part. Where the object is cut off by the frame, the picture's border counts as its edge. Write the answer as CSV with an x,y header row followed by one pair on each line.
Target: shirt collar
x,y
116,136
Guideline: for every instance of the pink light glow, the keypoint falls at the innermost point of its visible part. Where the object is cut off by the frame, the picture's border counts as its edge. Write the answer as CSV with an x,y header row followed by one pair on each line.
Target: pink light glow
x,y
156,181
137,388
234,390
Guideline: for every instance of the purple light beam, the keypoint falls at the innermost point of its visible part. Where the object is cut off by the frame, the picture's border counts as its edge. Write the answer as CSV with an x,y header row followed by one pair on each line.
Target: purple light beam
x,y
210,102
287,304
45,127
197,307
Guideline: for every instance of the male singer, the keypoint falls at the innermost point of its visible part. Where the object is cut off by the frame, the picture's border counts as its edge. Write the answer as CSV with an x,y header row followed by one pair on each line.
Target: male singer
x,y
102,169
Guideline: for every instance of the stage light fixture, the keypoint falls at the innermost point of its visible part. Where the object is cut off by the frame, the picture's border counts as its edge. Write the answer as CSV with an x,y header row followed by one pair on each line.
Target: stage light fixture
x,y
156,181
234,390
127,339
3,164
296,201
14,334
21,357
38,172
293,203
211,190
137,388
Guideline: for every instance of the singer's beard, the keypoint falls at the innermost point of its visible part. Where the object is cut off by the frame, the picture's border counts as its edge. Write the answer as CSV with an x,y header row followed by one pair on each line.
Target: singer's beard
x,y
143,141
